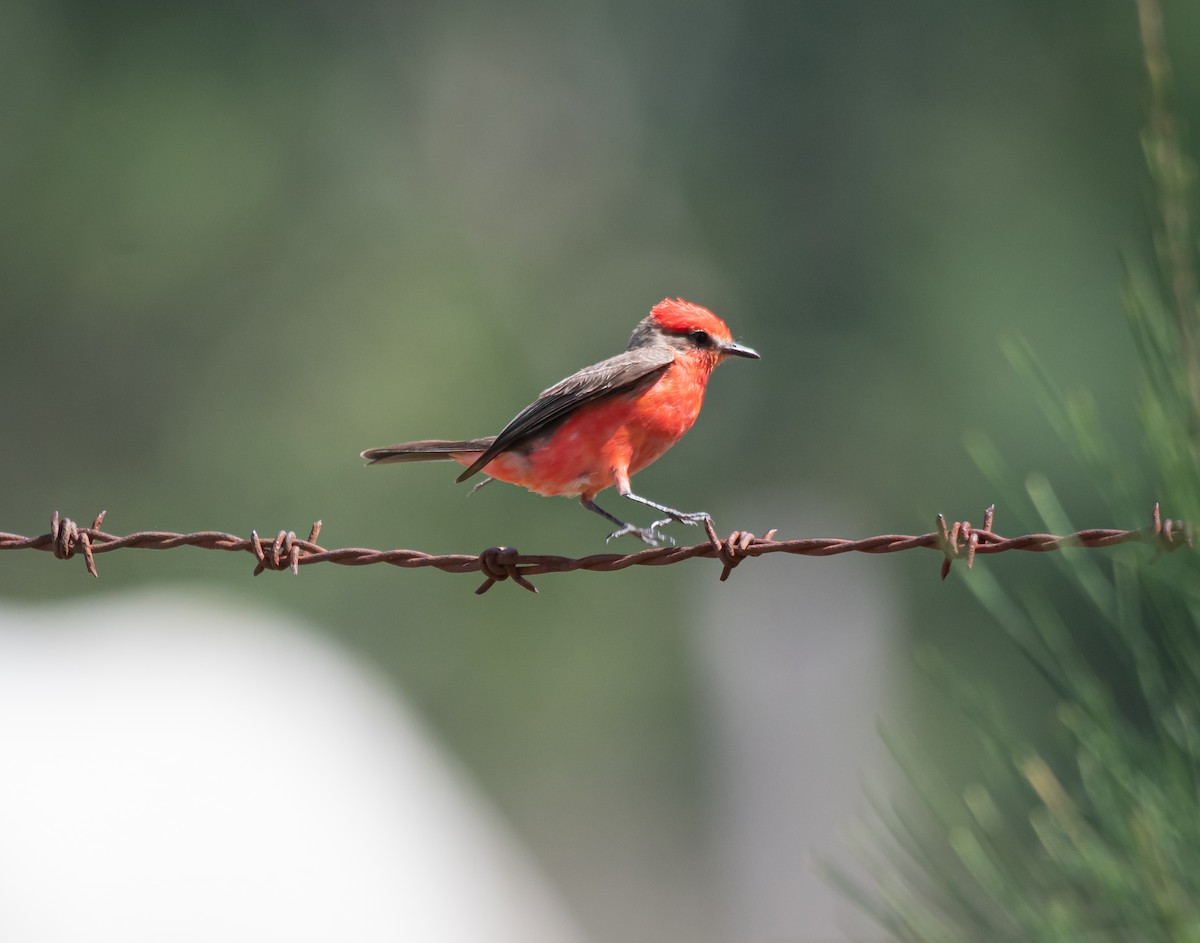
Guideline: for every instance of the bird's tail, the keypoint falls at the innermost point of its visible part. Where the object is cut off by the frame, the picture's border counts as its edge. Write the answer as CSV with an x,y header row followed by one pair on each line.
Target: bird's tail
x,y
426,450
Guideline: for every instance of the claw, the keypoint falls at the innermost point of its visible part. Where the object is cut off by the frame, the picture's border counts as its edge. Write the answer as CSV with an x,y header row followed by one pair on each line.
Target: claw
x,y
649,535
694,518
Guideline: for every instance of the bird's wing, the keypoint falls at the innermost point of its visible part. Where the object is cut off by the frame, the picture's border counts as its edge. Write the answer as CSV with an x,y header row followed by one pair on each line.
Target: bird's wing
x,y
611,377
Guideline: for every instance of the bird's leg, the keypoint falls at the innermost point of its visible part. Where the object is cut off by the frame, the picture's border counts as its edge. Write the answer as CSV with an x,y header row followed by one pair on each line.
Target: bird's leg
x,y
683,517
648,534
486,481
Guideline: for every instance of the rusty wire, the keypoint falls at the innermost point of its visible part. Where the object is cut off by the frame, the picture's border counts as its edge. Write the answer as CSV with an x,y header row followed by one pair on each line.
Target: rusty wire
x,y
956,541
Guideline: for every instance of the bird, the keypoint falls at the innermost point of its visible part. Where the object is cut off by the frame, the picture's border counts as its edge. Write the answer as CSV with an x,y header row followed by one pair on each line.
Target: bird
x,y
601,425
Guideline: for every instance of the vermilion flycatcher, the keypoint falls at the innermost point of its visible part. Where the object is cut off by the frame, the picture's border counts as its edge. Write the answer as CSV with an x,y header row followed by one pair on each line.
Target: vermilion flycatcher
x,y
599,426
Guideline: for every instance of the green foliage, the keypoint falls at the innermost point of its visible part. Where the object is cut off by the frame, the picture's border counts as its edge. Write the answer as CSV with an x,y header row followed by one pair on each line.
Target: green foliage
x,y
1095,836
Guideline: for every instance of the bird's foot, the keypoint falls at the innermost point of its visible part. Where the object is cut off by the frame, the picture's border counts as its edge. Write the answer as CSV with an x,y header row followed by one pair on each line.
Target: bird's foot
x,y
649,535
694,517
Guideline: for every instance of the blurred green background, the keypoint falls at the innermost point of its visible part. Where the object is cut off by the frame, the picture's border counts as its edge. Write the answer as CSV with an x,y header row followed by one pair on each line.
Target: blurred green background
x,y
241,242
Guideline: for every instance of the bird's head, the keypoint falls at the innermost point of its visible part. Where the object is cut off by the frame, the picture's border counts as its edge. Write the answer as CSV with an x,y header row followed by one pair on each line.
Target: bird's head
x,y
690,328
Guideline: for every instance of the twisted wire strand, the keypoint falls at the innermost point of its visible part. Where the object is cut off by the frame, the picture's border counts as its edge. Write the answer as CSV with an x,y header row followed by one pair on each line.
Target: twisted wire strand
x,y
287,551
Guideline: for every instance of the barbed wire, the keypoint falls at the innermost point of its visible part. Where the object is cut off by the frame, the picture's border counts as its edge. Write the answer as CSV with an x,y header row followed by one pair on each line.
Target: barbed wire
x,y
957,541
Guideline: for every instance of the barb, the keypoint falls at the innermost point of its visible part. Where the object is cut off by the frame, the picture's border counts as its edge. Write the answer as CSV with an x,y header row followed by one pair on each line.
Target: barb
x,y
956,541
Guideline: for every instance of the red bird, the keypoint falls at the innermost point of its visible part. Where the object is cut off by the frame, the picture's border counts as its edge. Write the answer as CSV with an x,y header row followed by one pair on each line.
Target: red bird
x,y
598,427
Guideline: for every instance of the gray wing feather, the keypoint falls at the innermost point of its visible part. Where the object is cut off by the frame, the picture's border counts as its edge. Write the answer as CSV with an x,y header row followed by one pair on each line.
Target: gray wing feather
x,y
619,374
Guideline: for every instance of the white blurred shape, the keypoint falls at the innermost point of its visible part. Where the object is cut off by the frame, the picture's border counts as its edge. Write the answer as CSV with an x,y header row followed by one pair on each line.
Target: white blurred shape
x,y
173,769
796,651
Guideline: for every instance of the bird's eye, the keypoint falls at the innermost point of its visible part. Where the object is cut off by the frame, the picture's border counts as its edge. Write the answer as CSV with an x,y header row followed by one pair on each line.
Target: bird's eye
x,y
700,338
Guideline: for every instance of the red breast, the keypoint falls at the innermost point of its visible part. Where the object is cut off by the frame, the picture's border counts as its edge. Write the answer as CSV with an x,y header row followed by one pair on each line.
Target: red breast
x,y
581,454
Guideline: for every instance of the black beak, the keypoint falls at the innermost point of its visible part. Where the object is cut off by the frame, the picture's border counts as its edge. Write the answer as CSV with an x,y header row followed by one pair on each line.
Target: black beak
x,y
737,350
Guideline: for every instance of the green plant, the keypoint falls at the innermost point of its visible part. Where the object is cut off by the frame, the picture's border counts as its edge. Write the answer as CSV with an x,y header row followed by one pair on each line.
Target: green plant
x,y
1101,841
